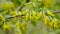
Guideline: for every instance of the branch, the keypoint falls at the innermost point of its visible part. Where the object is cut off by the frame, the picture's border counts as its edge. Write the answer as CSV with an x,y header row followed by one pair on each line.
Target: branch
x,y
56,12
17,9
24,15
8,17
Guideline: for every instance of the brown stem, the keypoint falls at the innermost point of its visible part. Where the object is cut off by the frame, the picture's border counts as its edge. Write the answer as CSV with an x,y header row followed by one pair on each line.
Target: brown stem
x,y
56,12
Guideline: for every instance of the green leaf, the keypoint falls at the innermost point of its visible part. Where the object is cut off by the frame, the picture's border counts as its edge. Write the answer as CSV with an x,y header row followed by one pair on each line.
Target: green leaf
x,y
1,10
57,16
34,23
27,0
17,2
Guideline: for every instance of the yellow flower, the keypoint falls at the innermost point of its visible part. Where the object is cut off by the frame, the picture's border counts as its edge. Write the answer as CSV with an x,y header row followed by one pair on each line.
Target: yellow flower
x,y
43,16
34,13
13,13
27,16
5,5
55,24
2,18
20,13
6,27
50,13
12,5
39,15
46,21
18,24
8,5
47,2
23,26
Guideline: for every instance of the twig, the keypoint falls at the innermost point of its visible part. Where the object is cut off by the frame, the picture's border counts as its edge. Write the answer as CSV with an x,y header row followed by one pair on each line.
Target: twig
x,y
19,8
14,16
56,12
24,15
